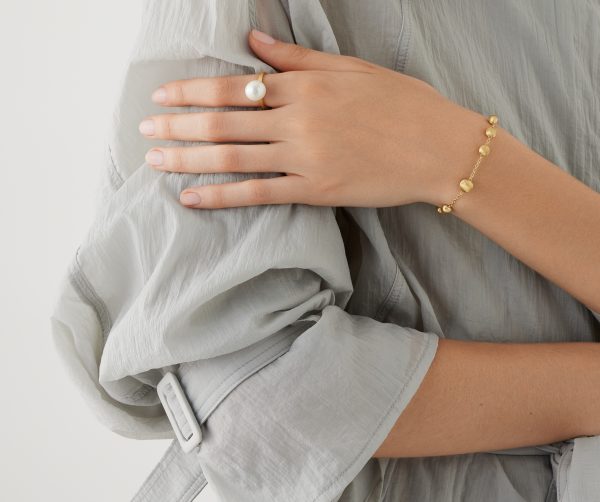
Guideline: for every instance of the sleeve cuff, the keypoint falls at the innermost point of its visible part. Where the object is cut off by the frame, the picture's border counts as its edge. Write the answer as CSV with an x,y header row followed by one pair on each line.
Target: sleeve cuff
x,y
304,426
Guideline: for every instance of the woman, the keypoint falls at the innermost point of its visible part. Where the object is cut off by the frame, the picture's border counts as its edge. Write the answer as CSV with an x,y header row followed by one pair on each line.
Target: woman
x,y
397,392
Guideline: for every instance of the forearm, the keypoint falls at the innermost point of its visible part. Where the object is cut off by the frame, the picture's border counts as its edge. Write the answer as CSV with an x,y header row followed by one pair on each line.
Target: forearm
x,y
482,396
539,213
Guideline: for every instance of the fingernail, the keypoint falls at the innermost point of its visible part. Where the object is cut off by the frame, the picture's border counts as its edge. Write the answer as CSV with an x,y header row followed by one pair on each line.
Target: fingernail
x,y
190,198
262,37
155,157
159,95
147,127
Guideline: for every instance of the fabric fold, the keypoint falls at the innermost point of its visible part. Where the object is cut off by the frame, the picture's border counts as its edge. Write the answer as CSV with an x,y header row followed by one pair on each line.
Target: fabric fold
x,y
159,287
164,287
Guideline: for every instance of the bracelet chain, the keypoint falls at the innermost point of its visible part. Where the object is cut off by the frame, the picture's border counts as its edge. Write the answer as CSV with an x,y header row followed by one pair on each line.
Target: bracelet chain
x,y
466,184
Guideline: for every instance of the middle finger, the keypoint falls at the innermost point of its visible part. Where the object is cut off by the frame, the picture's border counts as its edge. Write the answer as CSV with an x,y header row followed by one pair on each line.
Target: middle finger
x,y
252,125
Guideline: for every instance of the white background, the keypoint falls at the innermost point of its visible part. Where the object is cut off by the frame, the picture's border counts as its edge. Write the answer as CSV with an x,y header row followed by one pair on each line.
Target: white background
x,y
60,65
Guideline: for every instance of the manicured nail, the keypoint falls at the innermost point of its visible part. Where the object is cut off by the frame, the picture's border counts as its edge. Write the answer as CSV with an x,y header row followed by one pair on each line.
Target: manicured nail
x,y
262,37
190,198
155,157
147,127
159,95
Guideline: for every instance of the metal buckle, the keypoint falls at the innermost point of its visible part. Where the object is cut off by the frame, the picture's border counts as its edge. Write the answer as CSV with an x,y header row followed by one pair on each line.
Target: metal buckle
x,y
169,392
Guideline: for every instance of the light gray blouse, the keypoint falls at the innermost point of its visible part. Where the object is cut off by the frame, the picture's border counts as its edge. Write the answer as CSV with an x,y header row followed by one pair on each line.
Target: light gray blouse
x,y
300,333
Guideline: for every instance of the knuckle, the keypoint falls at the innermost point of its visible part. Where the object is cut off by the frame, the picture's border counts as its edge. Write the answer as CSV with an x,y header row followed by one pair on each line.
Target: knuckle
x,y
164,125
214,197
175,159
327,84
221,89
258,192
302,124
176,92
213,125
310,87
299,52
227,157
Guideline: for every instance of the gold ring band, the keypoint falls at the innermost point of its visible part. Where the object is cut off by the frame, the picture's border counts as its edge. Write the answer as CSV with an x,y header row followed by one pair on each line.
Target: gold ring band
x,y
260,79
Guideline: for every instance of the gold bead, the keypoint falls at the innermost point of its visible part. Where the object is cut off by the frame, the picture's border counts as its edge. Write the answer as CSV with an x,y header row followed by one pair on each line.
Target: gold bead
x,y
439,209
484,150
446,208
490,132
492,119
466,185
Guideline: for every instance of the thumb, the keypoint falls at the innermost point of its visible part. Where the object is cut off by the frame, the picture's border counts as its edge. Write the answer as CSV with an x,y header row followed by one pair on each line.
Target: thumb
x,y
285,57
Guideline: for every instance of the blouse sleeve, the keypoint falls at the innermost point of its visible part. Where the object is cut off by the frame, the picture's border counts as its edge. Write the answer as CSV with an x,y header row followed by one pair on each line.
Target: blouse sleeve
x,y
156,286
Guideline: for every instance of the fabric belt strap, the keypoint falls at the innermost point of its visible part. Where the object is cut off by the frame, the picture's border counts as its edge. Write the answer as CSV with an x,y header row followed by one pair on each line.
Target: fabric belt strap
x,y
177,477
190,396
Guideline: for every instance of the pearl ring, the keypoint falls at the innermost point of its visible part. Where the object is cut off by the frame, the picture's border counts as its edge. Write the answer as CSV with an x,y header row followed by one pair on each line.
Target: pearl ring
x,y
255,90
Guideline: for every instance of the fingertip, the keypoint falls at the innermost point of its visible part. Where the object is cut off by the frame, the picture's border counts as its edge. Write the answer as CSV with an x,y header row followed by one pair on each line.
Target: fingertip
x,y
159,96
262,37
190,198
155,157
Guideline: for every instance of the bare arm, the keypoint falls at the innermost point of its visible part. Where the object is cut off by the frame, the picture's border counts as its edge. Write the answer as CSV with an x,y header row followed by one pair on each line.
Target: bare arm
x,y
481,396
539,213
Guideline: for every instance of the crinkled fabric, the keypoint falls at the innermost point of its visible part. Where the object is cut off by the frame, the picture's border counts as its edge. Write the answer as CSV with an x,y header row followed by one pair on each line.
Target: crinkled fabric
x,y
301,333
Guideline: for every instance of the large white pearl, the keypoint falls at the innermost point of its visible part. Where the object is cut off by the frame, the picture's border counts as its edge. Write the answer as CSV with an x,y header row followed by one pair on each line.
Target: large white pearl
x,y
255,90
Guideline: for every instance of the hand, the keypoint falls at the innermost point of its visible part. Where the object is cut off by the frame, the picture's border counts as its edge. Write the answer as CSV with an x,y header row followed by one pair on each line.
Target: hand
x,y
347,132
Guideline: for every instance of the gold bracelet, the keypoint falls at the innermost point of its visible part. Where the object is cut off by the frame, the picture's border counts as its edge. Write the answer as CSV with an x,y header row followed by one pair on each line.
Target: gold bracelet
x,y
466,184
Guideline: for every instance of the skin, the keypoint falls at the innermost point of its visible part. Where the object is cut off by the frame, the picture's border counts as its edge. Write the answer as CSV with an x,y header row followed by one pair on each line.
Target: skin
x,y
480,396
328,110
